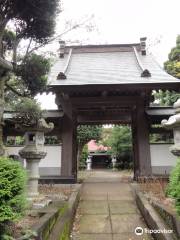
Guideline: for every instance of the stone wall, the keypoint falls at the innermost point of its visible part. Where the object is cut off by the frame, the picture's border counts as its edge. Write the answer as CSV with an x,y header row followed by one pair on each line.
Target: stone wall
x,y
162,160
50,165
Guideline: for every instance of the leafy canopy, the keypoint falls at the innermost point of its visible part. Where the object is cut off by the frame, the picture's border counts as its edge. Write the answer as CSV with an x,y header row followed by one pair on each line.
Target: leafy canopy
x,y
85,133
33,72
172,66
120,139
28,112
33,18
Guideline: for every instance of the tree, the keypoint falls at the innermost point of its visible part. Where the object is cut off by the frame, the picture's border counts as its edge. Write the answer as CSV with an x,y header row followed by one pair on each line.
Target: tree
x,y
85,133
24,74
121,145
172,66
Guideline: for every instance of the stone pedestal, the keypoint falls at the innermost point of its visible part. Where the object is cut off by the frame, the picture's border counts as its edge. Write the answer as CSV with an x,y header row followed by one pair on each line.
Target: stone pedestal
x,y
89,163
174,123
114,160
33,152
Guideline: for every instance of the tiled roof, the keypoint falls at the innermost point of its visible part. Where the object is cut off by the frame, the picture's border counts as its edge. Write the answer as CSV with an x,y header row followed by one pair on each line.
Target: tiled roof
x,y
106,64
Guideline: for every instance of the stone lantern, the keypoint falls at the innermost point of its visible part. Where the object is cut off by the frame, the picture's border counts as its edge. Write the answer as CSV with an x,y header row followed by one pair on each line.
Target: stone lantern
x,y
114,160
33,152
89,163
174,123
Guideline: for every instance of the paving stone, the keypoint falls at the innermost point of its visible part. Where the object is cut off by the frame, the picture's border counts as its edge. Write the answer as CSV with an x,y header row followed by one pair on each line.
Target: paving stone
x,y
130,236
95,224
94,237
126,223
122,207
107,209
93,207
100,197
123,197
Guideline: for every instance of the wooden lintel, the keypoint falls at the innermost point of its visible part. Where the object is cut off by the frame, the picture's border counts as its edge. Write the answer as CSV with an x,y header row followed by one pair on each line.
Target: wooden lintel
x,y
101,100
105,119
117,87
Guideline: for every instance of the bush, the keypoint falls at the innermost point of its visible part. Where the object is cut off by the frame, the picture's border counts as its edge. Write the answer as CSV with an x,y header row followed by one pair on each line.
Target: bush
x,y
12,190
173,189
84,155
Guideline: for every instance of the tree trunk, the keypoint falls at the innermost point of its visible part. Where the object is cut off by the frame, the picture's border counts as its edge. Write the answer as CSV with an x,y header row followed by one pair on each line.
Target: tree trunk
x,y
5,66
2,83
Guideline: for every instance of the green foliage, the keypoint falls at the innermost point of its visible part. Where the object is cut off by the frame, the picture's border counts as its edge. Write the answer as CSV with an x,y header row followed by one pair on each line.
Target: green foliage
x,y
172,66
105,136
83,158
15,141
12,190
166,98
33,73
166,137
8,39
33,18
28,112
85,133
51,140
120,142
173,189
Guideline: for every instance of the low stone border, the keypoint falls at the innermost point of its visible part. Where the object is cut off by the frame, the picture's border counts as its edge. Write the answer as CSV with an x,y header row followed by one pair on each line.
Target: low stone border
x,y
152,217
57,219
171,219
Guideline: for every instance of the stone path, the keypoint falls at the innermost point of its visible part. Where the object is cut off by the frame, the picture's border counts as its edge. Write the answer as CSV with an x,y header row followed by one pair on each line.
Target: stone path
x,y
107,210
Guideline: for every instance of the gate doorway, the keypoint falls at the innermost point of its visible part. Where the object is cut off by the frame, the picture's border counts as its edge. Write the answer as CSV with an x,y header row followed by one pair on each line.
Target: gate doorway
x,y
101,161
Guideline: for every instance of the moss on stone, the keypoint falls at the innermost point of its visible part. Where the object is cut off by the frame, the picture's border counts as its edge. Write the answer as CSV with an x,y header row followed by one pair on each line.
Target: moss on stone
x,y
65,234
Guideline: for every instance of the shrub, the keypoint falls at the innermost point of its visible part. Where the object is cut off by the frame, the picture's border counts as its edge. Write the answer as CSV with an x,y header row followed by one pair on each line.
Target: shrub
x,y
173,189
12,190
84,155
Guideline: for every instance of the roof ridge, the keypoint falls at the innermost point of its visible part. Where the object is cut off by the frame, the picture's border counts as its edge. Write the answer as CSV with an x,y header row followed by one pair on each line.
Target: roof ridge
x,y
105,45
62,75
145,72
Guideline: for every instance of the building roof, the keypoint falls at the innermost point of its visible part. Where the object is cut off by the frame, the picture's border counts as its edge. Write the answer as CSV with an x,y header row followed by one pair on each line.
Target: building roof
x,y
94,147
117,64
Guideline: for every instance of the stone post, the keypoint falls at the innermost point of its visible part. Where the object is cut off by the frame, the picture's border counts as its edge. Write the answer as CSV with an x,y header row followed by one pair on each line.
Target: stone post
x,y
174,123
89,163
114,160
33,152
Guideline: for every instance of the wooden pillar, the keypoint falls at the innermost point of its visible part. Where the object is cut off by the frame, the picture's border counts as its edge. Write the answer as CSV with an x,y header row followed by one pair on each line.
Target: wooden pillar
x,y
69,142
140,130
69,148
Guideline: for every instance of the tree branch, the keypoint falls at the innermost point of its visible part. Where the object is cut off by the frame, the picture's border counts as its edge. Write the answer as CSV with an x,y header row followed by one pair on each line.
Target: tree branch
x,y
27,50
15,91
6,64
60,35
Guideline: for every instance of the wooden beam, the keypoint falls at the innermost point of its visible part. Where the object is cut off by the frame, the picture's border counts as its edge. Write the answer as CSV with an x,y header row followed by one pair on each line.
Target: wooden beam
x,y
101,100
117,87
104,119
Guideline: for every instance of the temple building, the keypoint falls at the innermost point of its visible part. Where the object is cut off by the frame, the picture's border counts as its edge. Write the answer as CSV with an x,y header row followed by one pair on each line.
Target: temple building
x,y
100,155
108,84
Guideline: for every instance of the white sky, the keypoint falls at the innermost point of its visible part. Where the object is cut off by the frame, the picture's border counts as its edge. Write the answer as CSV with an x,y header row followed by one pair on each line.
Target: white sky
x,y
122,21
